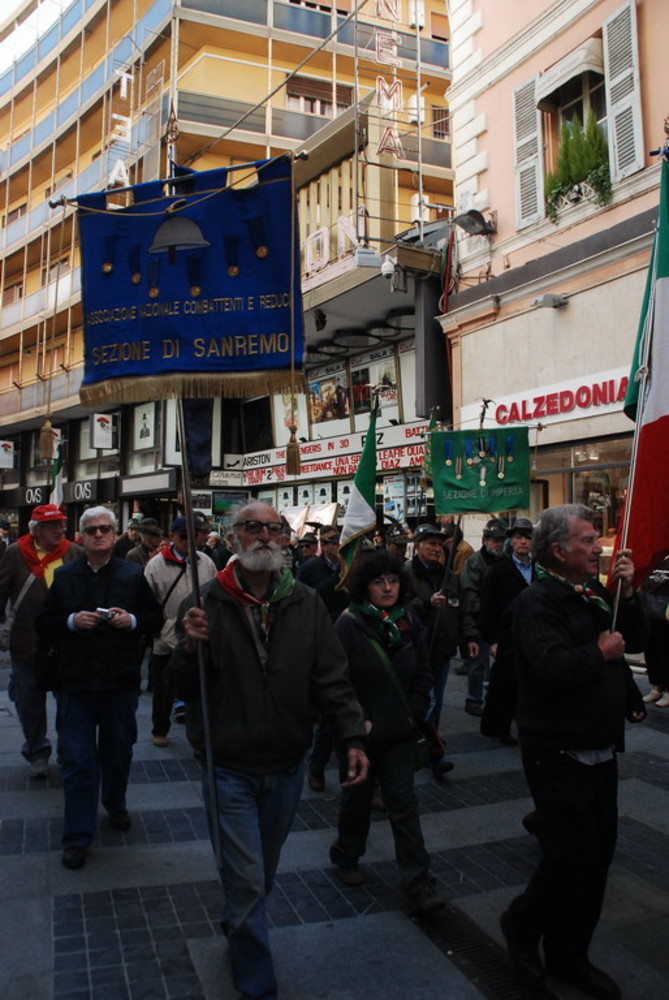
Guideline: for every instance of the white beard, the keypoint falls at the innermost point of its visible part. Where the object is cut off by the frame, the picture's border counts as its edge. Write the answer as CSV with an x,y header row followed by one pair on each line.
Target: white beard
x,y
262,557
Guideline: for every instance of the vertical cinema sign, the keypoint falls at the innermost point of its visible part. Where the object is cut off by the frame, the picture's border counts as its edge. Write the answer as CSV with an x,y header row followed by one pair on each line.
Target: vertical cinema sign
x,y
389,95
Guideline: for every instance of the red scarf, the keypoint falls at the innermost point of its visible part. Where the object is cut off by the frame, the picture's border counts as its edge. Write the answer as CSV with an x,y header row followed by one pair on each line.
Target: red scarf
x,y
26,544
167,552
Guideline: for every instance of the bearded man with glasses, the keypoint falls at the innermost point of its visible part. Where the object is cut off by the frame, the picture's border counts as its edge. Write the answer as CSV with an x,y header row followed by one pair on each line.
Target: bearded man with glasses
x,y
97,613
274,662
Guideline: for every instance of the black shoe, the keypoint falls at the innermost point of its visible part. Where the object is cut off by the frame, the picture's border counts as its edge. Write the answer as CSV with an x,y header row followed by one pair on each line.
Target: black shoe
x,y
351,876
426,900
523,952
473,708
530,823
588,979
442,768
74,857
120,821
508,740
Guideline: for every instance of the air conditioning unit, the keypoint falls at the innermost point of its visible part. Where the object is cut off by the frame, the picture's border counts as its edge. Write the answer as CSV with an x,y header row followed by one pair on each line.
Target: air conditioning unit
x,y
416,214
416,109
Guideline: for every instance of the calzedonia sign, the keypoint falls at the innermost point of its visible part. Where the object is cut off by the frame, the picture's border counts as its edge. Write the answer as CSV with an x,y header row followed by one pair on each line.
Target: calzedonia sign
x,y
571,400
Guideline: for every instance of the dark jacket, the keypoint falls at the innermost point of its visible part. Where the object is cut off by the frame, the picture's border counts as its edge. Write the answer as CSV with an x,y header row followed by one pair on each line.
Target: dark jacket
x,y
442,626
569,696
317,573
476,569
13,574
104,658
262,716
376,692
503,582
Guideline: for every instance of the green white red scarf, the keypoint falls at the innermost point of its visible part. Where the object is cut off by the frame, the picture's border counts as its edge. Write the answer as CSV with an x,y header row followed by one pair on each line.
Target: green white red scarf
x,y
227,578
582,589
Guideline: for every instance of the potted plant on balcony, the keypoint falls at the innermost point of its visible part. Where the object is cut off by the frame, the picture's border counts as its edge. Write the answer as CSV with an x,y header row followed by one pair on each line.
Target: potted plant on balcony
x,y
582,168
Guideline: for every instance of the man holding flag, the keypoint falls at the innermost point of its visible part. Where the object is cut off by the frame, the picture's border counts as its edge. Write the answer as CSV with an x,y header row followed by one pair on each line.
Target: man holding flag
x,y
272,657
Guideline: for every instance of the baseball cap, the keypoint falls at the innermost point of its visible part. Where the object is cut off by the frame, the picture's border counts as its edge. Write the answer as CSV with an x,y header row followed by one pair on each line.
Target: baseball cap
x,y
47,512
178,524
309,538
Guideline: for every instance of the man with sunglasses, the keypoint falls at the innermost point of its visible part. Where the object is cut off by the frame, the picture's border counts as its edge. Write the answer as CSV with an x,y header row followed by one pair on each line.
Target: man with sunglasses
x,y
273,661
31,564
169,577
97,613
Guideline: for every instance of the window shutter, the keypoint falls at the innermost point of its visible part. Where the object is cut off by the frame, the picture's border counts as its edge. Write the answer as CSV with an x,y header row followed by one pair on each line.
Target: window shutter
x,y
529,155
623,94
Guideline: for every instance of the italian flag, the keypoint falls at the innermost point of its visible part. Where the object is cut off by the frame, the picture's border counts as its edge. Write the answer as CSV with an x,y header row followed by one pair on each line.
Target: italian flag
x,y
361,511
647,402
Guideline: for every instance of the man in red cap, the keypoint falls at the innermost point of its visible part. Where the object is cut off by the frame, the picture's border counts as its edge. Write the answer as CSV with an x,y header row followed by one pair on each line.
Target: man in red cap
x,y
26,573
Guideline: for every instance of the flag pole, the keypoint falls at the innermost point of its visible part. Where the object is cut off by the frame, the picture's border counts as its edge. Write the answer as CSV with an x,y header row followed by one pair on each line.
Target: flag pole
x,y
641,376
187,503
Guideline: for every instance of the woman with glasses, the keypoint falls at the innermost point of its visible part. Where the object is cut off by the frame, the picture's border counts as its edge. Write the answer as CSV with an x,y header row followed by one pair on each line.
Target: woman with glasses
x,y
391,676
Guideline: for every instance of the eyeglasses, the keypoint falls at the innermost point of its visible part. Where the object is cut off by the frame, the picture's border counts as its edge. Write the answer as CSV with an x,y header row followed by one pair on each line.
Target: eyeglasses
x,y
93,529
385,581
332,540
183,535
255,527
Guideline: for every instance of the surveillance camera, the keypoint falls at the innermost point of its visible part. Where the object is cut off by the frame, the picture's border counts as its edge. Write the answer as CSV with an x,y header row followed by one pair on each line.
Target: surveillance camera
x,y
388,268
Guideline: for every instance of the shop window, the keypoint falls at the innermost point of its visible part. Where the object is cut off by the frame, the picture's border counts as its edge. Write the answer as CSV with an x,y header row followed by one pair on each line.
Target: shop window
x,y
315,97
257,424
231,427
441,123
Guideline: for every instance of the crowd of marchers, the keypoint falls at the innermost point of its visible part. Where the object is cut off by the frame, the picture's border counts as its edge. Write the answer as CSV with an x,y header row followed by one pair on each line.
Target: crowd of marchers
x,y
300,665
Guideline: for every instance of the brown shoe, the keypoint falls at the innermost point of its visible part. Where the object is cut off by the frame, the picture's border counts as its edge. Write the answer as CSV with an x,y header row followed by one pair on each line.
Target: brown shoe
x,y
160,741
316,782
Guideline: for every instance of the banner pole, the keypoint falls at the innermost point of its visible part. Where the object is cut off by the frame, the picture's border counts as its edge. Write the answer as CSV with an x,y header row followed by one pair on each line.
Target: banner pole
x,y
642,376
187,497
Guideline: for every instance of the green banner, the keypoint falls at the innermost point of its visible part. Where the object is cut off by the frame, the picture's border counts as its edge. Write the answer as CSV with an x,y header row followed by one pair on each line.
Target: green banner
x,y
482,470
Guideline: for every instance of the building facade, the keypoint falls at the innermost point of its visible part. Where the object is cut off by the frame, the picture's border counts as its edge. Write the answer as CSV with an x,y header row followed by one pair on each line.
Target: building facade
x,y
556,107
88,100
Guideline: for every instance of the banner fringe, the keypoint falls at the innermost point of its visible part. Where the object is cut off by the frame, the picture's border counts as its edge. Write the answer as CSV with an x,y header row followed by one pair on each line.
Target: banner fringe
x,y
189,386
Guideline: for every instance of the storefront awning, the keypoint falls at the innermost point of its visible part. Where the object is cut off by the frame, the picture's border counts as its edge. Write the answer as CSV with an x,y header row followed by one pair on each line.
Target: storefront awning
x,y
588,57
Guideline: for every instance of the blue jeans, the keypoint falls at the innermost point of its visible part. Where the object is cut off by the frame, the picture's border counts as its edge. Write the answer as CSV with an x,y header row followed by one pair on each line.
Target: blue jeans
x,y
255,814
477,670
98,730
30,703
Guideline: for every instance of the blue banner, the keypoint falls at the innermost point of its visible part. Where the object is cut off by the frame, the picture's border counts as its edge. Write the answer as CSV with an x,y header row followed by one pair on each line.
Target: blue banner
x,y
193,287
